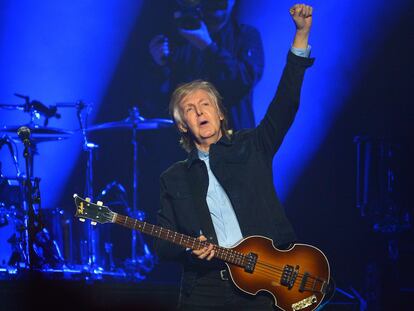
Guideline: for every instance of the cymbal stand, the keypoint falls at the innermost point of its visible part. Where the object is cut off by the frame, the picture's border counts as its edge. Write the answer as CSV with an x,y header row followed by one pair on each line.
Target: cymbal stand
x,y
134,261
135,187
91,248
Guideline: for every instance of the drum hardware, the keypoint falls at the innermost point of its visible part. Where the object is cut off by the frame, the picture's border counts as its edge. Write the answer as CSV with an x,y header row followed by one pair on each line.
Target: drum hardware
x,y
89,249
47,254
13,228
24,134
60,226
379,181
135,122
35,108
7,140
115,195
31,244
39,133
12,243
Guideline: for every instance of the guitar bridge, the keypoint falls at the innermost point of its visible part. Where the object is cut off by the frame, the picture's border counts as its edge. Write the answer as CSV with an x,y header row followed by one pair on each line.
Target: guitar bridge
x,y
251,262
289,276
302,286
313,284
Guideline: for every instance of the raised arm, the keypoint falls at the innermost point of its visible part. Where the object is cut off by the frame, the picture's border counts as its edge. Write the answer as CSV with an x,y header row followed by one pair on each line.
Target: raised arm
x,y
282,110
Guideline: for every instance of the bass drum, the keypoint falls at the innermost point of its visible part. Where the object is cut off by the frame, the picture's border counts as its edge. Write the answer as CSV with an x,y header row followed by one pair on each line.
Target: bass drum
x,y
56,235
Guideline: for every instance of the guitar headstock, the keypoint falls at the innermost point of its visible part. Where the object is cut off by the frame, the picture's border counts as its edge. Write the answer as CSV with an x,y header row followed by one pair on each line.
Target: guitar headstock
x,y
97,213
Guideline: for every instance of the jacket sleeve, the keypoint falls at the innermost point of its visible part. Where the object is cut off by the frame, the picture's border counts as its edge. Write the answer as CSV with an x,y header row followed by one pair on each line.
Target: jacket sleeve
x,y
166,219
282,109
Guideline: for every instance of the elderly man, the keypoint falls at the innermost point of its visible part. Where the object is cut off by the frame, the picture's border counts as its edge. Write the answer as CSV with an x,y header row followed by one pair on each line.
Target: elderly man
x,y
224,190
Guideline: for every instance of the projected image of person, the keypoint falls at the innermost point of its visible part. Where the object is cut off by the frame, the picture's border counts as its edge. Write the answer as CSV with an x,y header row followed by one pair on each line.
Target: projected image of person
x,y
212,46
224,190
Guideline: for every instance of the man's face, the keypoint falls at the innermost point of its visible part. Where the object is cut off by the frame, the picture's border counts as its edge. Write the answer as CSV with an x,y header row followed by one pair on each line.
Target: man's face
x,y
215,18
201,117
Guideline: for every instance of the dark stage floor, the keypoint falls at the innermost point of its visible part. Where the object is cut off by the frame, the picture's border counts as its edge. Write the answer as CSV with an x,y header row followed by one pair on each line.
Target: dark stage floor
x,y
41,291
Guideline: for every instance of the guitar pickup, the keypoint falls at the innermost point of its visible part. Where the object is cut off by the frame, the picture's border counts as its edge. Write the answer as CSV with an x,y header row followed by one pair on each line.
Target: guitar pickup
x,y
289,276
251,262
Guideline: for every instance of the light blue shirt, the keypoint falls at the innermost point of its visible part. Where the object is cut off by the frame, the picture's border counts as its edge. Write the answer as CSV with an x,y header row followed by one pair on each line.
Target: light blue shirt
x,y
222,214
301,52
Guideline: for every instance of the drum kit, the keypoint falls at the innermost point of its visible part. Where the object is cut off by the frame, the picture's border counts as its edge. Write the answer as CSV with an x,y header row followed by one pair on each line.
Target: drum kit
x,y
33,238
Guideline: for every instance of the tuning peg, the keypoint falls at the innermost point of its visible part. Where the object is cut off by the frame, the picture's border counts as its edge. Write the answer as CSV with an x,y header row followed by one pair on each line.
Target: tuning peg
x,y
82,219
93,223
100,203
87,199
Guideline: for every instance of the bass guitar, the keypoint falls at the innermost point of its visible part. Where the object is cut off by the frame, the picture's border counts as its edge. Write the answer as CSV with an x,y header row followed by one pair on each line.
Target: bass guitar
x,y
297,278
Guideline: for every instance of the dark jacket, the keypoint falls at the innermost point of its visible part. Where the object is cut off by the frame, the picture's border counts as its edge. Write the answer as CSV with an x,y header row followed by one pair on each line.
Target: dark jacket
x,y
243,166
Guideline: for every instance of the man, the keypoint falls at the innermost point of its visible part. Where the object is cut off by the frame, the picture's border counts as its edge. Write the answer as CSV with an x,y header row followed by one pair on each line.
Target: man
x,y
221,51
224,190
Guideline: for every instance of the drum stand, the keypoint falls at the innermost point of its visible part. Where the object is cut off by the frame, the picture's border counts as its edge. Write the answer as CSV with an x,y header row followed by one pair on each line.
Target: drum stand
x,y
89,247
92,231
136,263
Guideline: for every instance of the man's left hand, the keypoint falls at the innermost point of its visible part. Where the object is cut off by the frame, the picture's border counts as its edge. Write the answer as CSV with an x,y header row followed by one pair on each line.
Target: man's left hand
x,y
200,38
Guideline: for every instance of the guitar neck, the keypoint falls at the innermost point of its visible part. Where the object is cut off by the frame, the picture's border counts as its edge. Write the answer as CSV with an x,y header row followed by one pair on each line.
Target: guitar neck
x,y
225,254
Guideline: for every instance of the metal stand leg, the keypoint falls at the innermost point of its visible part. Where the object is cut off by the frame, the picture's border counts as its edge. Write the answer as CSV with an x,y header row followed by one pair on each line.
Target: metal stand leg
x,y
89,249
92,242
136,263
135,194
29,219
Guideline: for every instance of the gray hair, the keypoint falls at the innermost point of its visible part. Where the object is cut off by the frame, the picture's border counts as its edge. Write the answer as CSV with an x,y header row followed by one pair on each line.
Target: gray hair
x,y
186,140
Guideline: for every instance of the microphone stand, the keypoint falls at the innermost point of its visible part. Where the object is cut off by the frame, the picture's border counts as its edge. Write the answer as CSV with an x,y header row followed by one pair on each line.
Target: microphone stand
x,y
29,222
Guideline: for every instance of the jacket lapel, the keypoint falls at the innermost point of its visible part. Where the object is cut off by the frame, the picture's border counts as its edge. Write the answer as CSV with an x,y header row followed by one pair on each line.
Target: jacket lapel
x,y
199,186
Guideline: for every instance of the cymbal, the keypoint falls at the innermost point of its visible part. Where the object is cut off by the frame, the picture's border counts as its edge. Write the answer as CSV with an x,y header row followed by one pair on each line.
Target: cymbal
x,y
38,133
140,124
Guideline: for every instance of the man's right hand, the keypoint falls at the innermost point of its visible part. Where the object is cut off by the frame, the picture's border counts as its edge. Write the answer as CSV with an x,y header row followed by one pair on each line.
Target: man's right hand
x,y
302,17
159,49
205,252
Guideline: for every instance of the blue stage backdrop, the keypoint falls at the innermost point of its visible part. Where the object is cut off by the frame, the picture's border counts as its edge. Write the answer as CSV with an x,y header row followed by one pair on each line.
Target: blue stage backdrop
x,y
345,35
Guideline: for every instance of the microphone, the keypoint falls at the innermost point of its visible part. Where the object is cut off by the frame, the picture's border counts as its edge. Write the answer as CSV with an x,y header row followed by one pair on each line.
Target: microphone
x,y
24,134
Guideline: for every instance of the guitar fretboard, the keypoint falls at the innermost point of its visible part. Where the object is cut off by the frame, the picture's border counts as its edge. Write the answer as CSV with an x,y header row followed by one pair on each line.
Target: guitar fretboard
x,y
225,254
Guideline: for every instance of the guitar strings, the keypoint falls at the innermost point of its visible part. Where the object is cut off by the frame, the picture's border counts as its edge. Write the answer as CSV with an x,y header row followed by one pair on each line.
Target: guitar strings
x,y
270,266
265,273
310,282
265,270
310,277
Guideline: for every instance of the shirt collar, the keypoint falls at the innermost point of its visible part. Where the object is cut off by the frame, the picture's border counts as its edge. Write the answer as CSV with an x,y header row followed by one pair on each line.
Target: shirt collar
x,y
193,155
